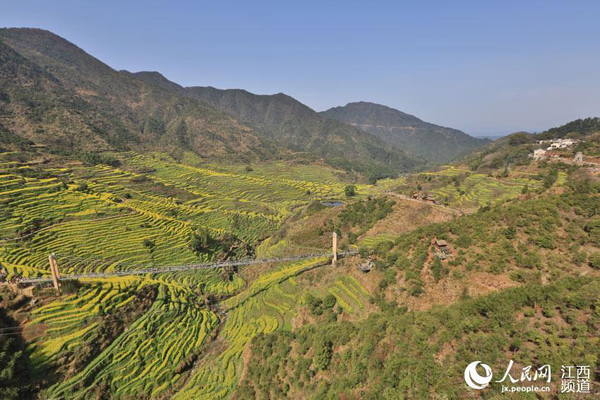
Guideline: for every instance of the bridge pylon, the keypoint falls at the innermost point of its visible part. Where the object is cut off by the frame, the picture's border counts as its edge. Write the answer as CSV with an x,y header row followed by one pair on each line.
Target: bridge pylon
x,y
55,272
334,249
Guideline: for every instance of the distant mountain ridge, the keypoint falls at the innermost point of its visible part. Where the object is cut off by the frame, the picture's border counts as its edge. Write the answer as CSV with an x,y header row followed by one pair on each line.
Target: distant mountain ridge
x,y
284,120
433,142
54,93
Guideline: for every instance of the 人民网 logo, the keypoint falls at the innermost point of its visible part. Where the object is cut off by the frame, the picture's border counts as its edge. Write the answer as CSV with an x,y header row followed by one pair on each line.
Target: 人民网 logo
x,y
474,379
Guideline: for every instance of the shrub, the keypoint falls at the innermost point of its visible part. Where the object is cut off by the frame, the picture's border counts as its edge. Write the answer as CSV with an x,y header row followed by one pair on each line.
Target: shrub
x,y
594,260
329,301
464,241
139,179
148,243
315,304
350,190
323,352
437,269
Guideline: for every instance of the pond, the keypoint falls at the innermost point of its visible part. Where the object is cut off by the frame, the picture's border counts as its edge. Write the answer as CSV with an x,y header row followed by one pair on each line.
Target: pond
x,y
332,203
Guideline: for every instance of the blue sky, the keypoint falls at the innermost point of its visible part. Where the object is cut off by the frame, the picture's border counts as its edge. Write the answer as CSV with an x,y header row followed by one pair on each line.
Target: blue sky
x,y
481,66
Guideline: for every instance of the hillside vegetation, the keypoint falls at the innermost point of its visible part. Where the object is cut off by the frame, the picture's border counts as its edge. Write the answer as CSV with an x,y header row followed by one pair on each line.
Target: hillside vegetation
x,y
433,142
111,171
516,149
284,120
543,254
403,354
55,94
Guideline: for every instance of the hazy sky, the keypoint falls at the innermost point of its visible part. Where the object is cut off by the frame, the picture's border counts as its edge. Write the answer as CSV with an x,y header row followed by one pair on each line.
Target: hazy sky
x,y
481,66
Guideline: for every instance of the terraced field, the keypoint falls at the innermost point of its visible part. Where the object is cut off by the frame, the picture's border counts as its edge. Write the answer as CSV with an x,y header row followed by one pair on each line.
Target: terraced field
x,y
107,214
144,213
144,359
349,294
474,191
101,218
269,304
371,242
478,189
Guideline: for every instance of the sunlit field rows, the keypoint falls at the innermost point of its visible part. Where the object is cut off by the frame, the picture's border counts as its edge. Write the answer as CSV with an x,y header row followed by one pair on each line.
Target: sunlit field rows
x,y
143,360
267,305
349,294
106,213
474,190
70,320
371,242
478,189
142,214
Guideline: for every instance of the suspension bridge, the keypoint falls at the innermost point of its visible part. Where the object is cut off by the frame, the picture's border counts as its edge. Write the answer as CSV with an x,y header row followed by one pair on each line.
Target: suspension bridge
x,y
56,276
188,267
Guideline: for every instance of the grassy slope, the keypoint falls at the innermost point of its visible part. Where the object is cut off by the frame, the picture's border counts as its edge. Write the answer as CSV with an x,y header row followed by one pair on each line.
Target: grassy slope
x,y
552,239
396,355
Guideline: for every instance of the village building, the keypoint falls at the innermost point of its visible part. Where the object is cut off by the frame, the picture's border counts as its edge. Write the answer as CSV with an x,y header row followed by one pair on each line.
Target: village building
x,y
578,157
442,249
561,144
539,154
367,266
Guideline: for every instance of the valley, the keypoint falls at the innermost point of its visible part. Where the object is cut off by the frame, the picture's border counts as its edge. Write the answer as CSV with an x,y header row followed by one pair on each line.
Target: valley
x,y
192,333
162,241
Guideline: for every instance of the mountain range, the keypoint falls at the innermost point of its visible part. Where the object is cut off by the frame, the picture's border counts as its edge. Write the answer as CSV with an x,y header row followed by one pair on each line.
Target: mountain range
x,y
282,119
433,142
54,93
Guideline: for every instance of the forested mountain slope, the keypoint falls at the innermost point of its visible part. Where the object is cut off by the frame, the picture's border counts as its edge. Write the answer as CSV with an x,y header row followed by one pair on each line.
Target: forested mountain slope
x,y
291,124
541,256
433,142
56,94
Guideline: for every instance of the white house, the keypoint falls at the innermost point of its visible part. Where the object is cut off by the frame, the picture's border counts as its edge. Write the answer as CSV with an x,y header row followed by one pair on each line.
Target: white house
x,y
539,154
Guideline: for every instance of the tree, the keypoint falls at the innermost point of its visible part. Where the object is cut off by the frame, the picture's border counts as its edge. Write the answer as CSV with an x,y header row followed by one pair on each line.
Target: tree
x,y
323,352
202,241
594,260
436,269
329,301
350,190
14,363
149,244
314,304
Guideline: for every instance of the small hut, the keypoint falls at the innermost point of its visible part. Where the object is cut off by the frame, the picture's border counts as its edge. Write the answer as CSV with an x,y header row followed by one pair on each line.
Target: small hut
x,y
367,266
431,199
442,250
